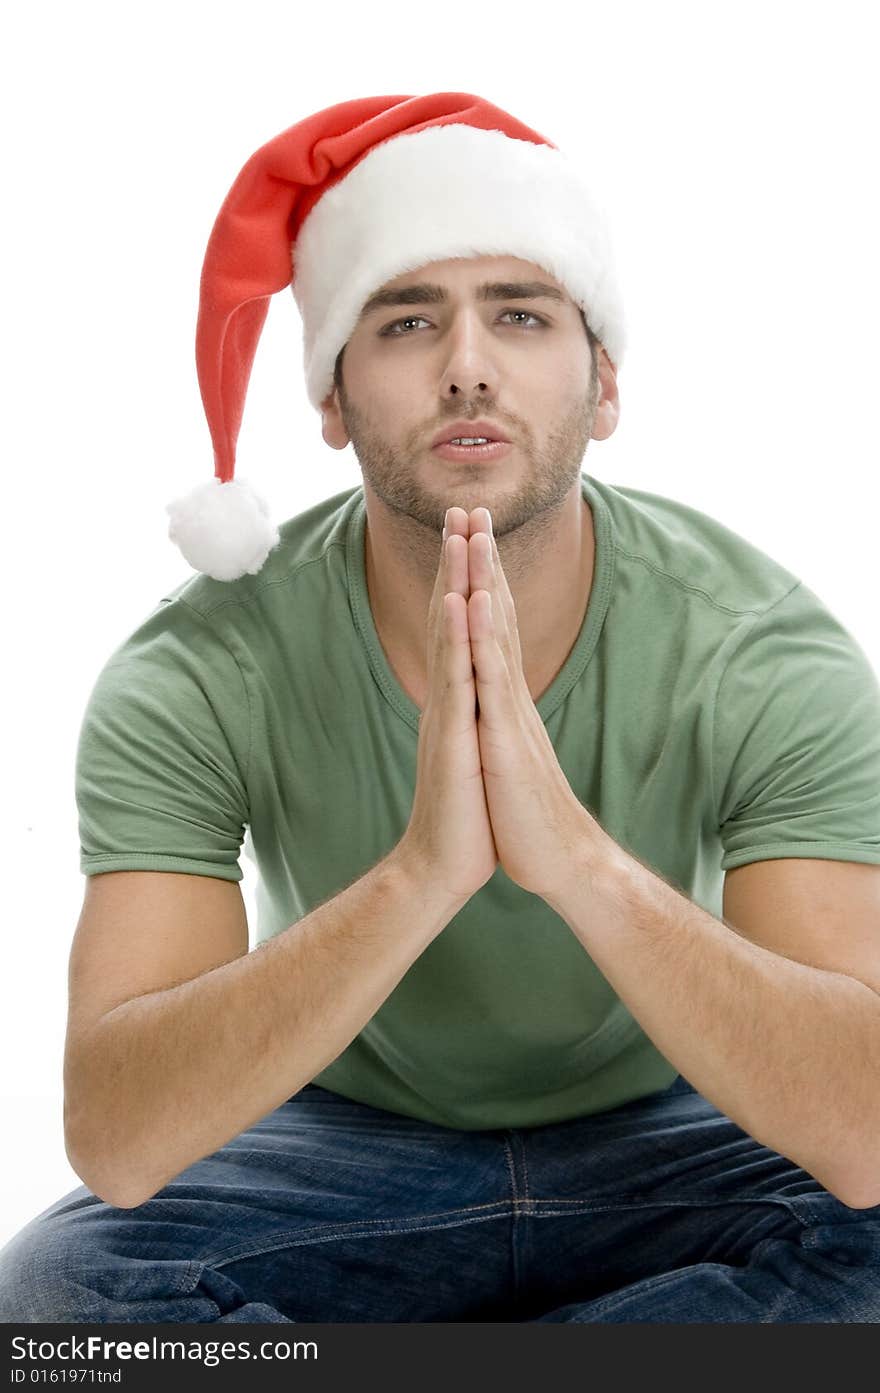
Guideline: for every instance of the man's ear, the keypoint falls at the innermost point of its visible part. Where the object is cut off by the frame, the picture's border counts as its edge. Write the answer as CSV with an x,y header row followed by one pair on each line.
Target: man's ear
x,y
608,404
332,425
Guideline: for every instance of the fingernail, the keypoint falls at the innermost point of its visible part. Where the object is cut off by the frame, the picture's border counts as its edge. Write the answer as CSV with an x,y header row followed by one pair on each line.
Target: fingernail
x,y
444,535
489,516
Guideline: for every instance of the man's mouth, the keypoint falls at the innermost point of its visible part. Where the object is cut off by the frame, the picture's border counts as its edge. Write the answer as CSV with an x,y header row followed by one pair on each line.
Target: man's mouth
x,y
472,447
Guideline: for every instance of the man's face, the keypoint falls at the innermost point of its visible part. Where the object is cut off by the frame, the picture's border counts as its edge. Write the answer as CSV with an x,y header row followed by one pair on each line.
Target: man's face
x,y
522,362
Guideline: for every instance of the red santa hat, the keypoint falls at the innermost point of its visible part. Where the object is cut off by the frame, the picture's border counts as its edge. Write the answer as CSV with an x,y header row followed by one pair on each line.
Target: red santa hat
x,y
337,205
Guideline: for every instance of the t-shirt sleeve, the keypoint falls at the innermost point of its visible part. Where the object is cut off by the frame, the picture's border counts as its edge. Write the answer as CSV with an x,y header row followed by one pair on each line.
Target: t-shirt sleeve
x,y
163,749
796,749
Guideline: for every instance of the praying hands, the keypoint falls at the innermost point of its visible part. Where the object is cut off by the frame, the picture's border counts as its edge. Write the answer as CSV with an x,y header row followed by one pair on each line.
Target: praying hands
x,y
489,787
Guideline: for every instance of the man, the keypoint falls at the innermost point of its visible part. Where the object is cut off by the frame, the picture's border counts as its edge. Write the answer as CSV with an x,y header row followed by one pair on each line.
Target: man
x,y
495,728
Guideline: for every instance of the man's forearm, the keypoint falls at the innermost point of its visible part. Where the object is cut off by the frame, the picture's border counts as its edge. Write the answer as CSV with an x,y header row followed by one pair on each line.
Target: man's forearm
x,y
175,1074
790,1052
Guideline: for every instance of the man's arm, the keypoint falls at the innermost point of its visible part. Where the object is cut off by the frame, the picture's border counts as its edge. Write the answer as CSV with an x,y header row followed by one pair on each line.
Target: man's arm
x,y
173,1049
790,1052
170,1076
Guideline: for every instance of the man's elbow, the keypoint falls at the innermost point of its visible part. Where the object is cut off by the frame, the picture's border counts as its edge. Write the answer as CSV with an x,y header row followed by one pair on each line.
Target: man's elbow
x,y
857,1188
862,1199
110,1188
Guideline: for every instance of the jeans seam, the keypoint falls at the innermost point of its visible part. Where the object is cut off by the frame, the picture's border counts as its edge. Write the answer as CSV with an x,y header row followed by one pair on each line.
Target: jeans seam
x,y
644,1202
370,1228
358,1228
511,1170
525,1161
189,1279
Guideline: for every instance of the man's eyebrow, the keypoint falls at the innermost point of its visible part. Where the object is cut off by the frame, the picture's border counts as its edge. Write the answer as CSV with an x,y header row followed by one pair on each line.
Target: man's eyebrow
x,y
428,293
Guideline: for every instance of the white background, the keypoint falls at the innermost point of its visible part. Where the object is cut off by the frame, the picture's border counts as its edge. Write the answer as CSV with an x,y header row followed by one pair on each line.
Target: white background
x,y
734,148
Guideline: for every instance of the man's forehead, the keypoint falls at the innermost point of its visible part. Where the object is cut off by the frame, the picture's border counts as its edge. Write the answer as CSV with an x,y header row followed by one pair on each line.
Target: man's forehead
x,y
473,269
488,278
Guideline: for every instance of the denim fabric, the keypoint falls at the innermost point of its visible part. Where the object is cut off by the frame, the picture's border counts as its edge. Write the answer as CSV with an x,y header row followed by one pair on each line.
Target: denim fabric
x,y
328,1210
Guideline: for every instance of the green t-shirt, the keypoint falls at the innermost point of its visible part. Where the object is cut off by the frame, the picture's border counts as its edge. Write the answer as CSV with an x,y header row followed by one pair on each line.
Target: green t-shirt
x,y
711,712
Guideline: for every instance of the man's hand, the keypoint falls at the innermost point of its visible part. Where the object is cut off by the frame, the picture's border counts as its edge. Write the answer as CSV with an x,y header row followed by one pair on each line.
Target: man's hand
x,y
537,821
449,836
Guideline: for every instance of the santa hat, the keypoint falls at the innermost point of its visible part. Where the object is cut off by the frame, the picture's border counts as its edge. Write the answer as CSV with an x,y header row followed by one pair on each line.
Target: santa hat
x,y
337,205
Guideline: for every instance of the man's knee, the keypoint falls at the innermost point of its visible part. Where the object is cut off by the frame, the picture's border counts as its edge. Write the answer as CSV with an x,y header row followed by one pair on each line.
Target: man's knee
x,y
88,1265
38,1278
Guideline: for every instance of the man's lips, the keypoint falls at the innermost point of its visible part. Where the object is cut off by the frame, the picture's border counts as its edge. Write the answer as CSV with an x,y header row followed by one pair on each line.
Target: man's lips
x,y
493,450
469,430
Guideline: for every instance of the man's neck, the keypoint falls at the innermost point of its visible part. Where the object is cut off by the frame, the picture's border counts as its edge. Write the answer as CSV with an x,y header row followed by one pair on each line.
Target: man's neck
x,y
549,567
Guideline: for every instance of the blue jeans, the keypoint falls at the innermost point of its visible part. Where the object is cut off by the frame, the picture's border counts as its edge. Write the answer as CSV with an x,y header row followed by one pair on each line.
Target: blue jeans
x,y
328,1210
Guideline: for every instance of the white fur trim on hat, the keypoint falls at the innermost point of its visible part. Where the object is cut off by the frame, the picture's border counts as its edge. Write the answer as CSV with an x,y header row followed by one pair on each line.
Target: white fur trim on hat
x,y
448,191
222,529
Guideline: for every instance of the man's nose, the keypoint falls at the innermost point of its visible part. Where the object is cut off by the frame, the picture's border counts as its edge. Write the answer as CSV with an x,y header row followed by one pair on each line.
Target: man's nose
x,y
470,364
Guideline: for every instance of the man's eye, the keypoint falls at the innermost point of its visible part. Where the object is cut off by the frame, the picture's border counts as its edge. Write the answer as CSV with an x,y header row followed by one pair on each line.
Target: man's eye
x,y
528,315
391,330
410,319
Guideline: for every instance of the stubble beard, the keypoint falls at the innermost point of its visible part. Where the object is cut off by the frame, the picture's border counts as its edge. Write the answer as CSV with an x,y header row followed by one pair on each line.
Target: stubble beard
x,y
546,477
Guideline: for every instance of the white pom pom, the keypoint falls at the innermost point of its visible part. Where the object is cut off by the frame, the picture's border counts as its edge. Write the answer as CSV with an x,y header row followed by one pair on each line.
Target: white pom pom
x,y
222,530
